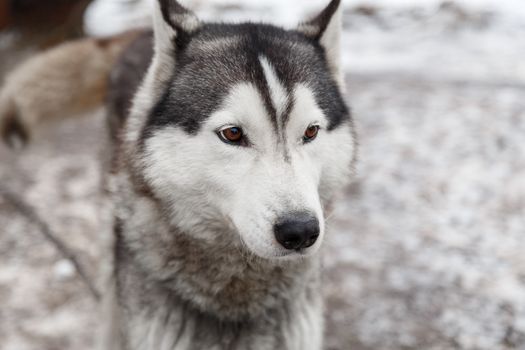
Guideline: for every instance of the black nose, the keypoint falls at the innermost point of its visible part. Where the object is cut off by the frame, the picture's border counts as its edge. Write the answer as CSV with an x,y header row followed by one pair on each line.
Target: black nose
x,y
297,230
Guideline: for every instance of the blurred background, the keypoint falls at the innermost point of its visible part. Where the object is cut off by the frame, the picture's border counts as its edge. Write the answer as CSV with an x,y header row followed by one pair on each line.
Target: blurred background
x,y
426,250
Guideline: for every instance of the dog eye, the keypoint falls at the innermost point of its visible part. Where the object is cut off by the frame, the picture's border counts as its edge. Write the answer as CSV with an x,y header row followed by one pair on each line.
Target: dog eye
x,y
311,133
232,135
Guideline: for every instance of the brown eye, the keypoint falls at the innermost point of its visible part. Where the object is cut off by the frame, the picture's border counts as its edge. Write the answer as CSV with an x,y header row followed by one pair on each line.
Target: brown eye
x,y
233,135
311,133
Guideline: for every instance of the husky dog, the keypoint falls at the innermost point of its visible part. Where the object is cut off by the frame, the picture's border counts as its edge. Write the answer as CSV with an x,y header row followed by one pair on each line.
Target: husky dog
x,y
237,139
230,143
63,81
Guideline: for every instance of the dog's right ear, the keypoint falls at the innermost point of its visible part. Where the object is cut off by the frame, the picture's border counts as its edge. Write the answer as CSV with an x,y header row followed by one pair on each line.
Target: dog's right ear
x,y
173,25
326,29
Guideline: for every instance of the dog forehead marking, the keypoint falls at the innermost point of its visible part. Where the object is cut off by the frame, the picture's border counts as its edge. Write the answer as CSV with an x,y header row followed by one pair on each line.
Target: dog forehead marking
x,y
278,93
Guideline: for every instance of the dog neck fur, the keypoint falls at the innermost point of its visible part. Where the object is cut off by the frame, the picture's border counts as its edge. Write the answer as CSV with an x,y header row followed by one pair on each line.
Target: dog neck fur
x,y
193,297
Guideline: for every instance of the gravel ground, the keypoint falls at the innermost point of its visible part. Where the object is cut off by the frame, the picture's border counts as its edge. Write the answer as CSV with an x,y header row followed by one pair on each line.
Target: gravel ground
x,y
425,249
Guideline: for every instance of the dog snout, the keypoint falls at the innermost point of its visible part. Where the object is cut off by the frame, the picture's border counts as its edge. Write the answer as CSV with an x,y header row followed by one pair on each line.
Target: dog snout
x,y
297,230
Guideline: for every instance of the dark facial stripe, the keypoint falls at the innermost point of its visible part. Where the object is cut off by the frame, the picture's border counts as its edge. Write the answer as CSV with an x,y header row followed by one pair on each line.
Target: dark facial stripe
x,y
270,73
255,48
290,103
264,89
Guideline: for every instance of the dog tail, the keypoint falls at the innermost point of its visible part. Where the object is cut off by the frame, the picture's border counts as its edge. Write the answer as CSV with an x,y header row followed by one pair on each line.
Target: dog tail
x,y
63,82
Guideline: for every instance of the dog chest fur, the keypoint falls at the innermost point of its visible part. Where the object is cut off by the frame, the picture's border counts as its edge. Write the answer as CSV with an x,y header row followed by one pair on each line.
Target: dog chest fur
x,y
180,294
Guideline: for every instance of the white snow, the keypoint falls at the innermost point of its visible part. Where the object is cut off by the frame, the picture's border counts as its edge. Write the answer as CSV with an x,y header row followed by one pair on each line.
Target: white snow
x,y
438,39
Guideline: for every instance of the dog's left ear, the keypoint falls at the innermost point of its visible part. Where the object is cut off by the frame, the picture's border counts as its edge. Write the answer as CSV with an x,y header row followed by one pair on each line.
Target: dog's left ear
x,y
326,28
173,27
173,23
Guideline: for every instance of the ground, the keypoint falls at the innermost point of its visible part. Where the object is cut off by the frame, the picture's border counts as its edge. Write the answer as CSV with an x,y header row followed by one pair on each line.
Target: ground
x,y
425,249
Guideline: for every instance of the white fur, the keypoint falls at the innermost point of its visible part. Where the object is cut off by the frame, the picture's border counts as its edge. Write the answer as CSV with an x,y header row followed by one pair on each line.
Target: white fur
x,y
333,151
278,92
155,331
249,188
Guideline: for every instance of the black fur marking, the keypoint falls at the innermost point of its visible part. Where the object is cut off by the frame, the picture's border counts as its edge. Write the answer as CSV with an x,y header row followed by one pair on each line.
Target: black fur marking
x,y
253,52
284,120
201,79
288,110
170,8
124,81
14,132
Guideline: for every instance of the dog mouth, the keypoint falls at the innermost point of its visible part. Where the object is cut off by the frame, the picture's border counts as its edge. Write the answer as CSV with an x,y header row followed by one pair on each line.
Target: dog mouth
x,y
297,254
280,253
277,252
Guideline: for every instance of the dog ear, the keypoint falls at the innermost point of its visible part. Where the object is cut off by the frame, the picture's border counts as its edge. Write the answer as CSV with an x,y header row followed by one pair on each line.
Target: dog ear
x,y
326,28
173,24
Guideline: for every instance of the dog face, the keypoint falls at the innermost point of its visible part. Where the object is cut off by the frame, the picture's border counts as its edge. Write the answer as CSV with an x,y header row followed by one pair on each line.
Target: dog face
x,y
249,135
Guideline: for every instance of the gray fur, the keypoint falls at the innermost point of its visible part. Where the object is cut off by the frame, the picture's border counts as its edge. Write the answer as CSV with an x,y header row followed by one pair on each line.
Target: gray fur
x,y
203,287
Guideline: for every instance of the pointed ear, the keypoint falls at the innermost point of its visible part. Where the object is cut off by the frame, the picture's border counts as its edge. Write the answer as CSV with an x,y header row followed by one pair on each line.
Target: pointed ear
x,y
326,28
172,24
